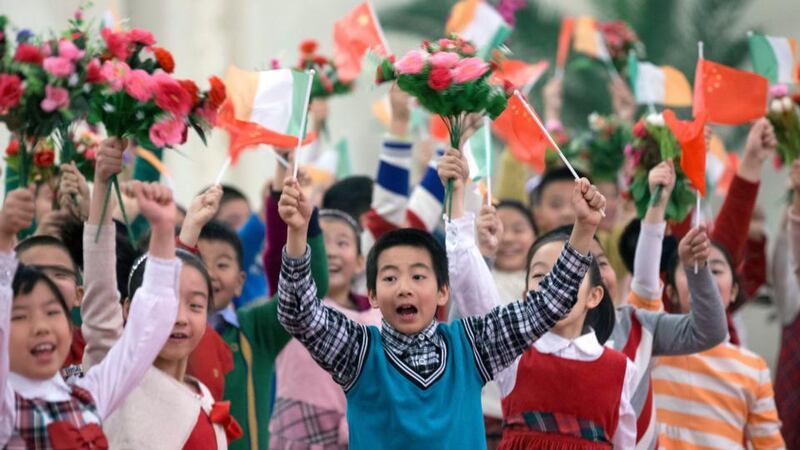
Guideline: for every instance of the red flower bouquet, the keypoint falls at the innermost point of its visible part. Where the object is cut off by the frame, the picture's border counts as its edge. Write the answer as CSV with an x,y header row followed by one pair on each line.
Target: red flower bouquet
x,y
327,81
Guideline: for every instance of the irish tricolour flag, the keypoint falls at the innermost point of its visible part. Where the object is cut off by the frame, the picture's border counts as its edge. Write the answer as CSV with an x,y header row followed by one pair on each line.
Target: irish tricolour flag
x,y
478,22
588,39
774,57
663,85
273,99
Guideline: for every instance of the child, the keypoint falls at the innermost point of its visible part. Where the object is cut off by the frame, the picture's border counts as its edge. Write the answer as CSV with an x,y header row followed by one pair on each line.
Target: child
x,y
309,407
253,333
516,238
639,333
549,201
421,377
721,397
168,410
565,365
39,410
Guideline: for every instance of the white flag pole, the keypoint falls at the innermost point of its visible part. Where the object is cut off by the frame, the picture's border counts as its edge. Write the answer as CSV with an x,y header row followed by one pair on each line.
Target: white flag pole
x,y
304,117
378,27
487,136
551,140
696,220
222,170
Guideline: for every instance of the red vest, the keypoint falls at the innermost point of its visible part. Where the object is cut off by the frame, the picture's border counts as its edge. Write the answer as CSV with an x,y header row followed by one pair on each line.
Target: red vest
x,y
210,361
573,391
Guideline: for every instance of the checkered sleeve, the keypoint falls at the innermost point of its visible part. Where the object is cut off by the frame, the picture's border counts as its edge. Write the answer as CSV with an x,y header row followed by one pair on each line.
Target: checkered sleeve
x,y
507,331
336,343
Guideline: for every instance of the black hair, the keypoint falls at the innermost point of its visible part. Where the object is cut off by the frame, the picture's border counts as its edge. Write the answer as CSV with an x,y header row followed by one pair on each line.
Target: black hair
x,y
231,193
126,256
219,232
674,263
352,195
629,239
519,207
48,241
69,228
341,216
136,277
550,176
409,237
27,277
601,318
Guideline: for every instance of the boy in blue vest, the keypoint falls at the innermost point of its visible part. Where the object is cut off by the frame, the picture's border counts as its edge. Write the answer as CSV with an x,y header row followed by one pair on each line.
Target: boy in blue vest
x,y
415,383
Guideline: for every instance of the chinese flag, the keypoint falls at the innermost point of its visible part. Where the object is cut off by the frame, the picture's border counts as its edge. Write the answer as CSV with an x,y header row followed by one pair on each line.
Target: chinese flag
x,y
728,96
525,138
690,136
353,35
244,134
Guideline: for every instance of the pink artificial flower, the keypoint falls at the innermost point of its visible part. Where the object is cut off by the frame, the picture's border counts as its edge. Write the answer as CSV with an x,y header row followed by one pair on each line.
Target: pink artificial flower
x,y
59,66
67,49
139,85
444,59
113,73
118,44
167,132
411,63
55,98
445,43
93,74
209,114
90,154
440,78
778,91
469,69
141,36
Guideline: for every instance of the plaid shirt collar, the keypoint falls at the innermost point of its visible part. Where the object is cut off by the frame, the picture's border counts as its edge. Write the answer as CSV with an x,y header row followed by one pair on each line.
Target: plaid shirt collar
x,y
399,343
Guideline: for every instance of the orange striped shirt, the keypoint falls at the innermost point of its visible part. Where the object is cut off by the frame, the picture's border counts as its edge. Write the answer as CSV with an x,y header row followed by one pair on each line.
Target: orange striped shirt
x,y
720,398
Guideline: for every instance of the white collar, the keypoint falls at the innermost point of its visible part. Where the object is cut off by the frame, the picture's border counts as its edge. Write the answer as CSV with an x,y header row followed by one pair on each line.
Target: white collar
x,y
585,347
52,390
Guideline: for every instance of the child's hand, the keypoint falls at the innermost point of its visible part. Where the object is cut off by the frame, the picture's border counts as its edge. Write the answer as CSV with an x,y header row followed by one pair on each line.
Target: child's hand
x,y
552,97
490,229
294,207
17,215
202,209
73,192
453,166
695,247
588,204
155,204
622,100
109,158
400,104
761,143
662,175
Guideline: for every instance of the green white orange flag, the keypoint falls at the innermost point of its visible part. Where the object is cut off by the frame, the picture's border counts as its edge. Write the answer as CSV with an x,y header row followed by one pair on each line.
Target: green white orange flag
x,y
478,22
263,108
728,96
526,140
354,35
774,57
521,75
588,39
478,152
690,136
663,85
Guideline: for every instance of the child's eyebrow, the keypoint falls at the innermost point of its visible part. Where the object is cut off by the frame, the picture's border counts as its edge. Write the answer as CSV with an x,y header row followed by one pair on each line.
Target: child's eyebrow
x,y
539,263
420,266
388,267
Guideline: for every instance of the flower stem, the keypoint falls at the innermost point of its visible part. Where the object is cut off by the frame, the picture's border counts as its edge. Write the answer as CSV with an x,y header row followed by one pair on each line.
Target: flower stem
x,y
656,196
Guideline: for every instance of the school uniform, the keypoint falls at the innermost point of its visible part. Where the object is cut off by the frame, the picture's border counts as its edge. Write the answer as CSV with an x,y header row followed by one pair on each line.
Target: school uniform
x,y
50,414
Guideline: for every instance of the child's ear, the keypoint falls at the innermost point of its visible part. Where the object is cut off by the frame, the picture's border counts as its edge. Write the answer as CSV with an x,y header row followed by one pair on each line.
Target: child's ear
x,y
595,297
671,295
240,283
373,299
443,295
360,264
126,307
79,293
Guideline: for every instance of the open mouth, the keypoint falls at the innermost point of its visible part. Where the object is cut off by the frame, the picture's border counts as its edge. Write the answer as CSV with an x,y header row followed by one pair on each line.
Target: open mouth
x,y
407,313
43,351
178,336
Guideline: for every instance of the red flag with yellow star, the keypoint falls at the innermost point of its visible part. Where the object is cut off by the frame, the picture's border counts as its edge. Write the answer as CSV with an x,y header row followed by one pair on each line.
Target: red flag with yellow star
x,y
525,138
353,35
690,135
728,96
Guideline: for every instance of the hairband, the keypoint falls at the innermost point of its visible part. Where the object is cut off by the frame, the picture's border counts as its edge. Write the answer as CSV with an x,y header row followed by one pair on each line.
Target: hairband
x,y
339,214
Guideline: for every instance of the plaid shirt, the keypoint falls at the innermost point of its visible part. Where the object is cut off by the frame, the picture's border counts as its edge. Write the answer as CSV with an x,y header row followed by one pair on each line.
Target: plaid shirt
x,y
339,345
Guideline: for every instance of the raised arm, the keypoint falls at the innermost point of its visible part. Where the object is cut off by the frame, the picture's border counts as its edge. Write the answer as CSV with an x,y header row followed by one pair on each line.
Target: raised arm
x,y
472,288
17,215
646,285
153,310
705,326
101,311
507,331
333,340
